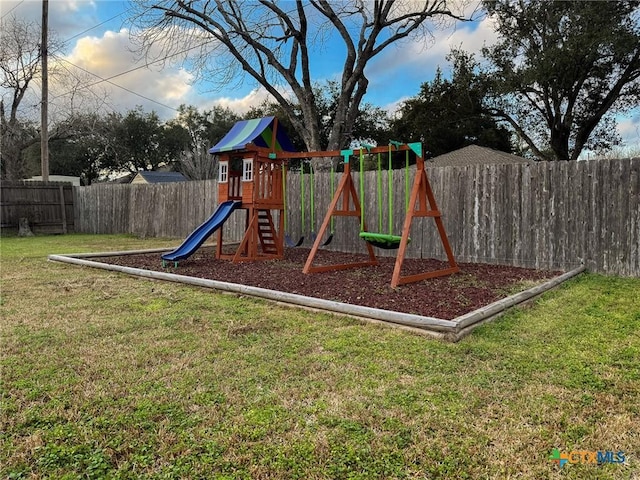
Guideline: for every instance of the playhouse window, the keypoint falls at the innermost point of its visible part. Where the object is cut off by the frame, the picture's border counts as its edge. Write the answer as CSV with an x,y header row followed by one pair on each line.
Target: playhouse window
x,y
247,169
223,172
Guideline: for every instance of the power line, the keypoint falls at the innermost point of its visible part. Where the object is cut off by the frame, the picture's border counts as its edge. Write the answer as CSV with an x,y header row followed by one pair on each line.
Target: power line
x,y
99,24
108,80
16,6
95,26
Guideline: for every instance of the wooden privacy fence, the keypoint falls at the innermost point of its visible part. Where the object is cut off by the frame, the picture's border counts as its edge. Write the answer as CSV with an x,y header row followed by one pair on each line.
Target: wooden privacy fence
x,y
543,215
171,210
48,207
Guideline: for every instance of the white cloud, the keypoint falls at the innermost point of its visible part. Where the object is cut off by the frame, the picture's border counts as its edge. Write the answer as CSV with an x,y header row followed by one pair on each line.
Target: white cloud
x,y
242,104
66,17
154,87
424,56
394,106
401,69
108,55
629,129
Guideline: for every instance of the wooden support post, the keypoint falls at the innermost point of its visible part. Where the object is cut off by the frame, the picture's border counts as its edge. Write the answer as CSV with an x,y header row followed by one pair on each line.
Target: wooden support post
x,y
422,195
281,233
347,191
219,244
244,248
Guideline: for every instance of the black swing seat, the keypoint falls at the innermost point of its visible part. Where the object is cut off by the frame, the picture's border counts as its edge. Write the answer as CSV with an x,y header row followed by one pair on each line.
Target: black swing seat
x,y
382,240
328,240
291,243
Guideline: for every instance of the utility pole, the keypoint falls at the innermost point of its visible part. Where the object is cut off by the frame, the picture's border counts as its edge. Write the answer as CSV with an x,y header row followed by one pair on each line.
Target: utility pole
x,y
44,106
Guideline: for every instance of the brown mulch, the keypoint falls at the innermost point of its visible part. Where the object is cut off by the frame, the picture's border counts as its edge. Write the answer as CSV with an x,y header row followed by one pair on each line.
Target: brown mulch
x,y
476,285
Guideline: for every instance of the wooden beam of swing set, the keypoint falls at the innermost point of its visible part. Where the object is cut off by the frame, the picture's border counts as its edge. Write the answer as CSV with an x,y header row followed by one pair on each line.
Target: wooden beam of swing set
x,y
327,153
422,195
347,190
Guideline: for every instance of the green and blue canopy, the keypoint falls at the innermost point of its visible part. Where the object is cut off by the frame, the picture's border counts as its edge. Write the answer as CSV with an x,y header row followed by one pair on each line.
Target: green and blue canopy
x,y
258,131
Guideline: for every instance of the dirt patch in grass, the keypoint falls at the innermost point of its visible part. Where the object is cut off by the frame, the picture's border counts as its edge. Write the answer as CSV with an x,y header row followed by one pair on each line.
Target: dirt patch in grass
x,y
445,297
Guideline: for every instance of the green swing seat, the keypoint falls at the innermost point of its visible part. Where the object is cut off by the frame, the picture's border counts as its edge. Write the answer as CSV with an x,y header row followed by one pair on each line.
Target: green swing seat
x,y
386,241
382,240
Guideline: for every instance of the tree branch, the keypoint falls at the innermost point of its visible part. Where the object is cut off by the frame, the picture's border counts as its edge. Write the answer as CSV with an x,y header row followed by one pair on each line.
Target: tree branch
x,y
502,115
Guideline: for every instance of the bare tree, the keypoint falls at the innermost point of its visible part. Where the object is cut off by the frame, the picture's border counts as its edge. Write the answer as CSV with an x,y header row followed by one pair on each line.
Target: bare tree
x,y
198,164
19,66
20,70
561,72
277,44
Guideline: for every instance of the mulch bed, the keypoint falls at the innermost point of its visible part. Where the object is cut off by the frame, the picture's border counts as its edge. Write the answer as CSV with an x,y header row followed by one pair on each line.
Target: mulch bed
x,y
475,286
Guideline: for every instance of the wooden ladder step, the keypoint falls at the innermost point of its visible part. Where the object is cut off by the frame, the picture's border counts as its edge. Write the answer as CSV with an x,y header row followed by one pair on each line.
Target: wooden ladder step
x,y
266,232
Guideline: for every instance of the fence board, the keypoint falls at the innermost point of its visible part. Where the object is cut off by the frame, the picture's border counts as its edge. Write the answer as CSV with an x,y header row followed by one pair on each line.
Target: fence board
x,y
633,232
562,217
464,223
582,207
507,221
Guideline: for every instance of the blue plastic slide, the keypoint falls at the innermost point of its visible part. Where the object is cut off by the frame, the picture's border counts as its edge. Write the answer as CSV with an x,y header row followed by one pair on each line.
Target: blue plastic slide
x,y
204,231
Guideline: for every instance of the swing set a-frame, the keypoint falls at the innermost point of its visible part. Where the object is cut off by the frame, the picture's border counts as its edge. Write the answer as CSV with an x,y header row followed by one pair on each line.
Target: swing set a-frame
x,y
346,203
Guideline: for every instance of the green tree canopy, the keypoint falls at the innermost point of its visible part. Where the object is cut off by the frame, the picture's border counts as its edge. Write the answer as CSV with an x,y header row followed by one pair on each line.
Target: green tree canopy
x,y
561,71
140,141
448,114
206,127
82,152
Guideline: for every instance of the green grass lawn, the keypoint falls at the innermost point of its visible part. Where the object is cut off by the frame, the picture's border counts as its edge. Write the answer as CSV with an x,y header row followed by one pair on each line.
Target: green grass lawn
x,y
109,376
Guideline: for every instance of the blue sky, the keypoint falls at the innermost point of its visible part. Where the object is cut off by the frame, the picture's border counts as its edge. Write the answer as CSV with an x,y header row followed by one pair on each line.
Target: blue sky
x,y
98,42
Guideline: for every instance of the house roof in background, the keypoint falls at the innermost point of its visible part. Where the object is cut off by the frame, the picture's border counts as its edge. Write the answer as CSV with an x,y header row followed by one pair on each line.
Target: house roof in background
x,y
475,155
258,131
162,177
58,178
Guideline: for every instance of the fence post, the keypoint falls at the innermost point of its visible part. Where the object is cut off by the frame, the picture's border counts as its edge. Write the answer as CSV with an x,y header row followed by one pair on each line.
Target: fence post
x,y
63,210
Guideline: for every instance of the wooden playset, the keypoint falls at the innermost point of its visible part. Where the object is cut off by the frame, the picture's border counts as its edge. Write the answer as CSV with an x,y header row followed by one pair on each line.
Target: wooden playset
x,y
254,157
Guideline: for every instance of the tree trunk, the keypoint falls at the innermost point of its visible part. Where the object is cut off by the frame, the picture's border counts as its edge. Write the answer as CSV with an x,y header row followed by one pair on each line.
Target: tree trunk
x,y
560,142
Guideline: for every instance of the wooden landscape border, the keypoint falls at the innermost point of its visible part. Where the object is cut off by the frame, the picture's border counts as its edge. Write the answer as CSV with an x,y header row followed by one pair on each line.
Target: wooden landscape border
x,y
449,330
